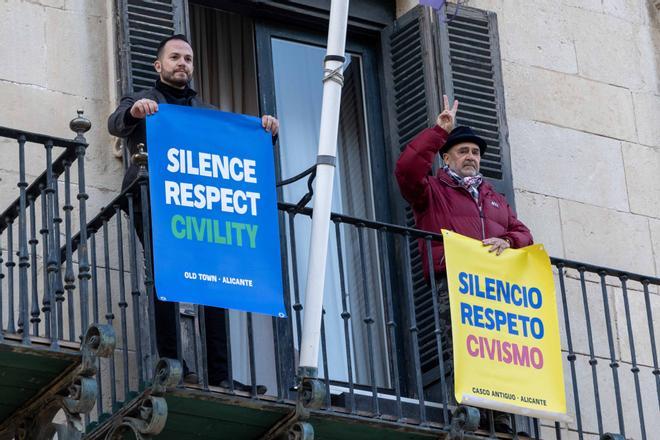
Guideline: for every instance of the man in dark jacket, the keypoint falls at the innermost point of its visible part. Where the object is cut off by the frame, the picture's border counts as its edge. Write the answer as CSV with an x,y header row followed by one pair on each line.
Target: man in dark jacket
x,y
174,64
456,198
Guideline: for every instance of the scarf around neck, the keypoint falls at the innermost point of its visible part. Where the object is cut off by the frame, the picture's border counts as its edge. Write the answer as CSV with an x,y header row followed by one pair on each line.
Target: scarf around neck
x,y
470,183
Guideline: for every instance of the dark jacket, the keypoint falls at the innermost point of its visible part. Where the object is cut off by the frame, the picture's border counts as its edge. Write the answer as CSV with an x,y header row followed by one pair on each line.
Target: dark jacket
x,y
438,202
135,130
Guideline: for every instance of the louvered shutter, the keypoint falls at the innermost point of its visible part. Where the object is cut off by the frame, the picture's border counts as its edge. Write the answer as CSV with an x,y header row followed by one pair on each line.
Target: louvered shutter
x,y
425,57
412,98
471,71
144,24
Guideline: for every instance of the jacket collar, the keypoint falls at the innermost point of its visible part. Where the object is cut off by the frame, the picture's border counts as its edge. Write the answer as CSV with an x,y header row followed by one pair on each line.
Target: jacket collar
x,y
160,98
166,89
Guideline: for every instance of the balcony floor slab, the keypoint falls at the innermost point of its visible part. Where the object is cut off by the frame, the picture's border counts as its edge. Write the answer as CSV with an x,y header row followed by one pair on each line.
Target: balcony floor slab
x,y
28,374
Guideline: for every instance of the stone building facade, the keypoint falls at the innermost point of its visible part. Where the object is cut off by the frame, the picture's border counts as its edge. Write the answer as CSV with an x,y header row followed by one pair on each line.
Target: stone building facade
x,y
582,92
578,73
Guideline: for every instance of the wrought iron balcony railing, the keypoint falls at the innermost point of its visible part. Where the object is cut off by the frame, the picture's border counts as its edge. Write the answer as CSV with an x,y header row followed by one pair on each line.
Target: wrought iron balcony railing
x,y
44,317
380,357
35,309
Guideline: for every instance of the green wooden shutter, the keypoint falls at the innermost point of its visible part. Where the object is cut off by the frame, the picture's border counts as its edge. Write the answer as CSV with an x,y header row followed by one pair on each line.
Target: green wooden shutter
x,y
425,56
144,24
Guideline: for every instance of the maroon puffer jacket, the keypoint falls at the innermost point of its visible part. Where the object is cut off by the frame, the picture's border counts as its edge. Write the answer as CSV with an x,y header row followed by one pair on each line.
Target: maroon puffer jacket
x,y
439,203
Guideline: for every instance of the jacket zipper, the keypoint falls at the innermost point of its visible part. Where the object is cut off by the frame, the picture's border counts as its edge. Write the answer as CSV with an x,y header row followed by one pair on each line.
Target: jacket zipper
x,y
483,225
479,207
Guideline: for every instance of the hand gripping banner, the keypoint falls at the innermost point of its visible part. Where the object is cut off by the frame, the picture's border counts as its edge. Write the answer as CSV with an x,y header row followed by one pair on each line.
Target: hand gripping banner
x,y
507,353
214,210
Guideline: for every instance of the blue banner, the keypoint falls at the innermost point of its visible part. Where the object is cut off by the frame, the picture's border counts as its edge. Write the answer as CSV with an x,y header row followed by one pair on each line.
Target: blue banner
x,y
214,210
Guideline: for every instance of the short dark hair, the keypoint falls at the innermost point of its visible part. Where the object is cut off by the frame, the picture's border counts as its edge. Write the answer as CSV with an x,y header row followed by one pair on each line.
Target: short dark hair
x,y
162,44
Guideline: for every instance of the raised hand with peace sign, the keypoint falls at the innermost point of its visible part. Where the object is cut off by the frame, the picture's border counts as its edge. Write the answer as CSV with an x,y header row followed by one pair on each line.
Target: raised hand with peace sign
x,y
447,118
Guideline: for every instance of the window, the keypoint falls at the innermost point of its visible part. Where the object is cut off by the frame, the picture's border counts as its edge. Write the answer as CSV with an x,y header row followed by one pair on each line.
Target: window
x,y
291,68
426,55
250,66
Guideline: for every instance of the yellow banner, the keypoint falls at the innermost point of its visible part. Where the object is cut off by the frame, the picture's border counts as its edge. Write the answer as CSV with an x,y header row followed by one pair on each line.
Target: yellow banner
x,y
507,353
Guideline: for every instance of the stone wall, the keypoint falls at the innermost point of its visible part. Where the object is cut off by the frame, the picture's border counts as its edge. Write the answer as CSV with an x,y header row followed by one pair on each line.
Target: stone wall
x,y
59,56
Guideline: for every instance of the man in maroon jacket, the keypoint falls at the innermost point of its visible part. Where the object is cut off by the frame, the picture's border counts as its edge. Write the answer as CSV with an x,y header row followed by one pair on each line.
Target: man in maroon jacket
x,y
456,198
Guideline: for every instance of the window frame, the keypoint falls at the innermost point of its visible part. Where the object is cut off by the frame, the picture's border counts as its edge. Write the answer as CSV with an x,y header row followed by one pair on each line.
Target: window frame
x,y
425,36
368,49
265,30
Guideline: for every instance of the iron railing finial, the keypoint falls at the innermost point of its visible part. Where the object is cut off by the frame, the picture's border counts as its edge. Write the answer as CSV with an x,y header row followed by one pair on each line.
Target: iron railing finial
x,y
80,125
140,158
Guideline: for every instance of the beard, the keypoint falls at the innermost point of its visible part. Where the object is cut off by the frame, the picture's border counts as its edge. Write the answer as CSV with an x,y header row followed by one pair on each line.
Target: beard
x,y
469,171
465,171
175,78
